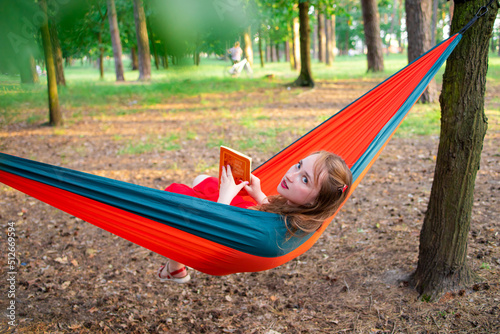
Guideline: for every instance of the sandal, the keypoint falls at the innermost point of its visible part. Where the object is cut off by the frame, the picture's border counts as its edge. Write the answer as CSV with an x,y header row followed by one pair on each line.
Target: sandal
x,y
170,276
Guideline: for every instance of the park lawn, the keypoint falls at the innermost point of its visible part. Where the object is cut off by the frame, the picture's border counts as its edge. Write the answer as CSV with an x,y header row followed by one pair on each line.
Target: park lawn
x,y
87,95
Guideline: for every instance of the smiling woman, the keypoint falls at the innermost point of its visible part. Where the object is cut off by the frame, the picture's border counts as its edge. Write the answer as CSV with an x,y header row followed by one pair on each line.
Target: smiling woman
x,y
310,191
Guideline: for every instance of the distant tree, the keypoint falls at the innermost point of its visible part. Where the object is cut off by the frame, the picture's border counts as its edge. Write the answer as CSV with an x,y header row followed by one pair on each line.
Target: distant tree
x,y
373,41
442,261
418,18
305,77
55,115
144,54
115,39
330,38
27,68
321,33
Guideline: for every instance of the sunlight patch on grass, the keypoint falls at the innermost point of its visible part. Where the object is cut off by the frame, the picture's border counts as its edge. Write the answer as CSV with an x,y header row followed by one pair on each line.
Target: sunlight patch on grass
x,y
423,120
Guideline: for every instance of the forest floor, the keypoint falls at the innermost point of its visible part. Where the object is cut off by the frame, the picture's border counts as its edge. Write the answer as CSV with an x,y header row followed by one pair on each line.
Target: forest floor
x,y
73,277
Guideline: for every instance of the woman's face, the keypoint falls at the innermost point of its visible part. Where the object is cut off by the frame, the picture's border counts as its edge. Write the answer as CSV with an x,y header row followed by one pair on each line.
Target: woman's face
x,y
299,183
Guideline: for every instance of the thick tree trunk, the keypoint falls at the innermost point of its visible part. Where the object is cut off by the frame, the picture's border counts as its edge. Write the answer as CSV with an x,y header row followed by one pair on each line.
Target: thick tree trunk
x,y
321,37
142,41
418,18
305,77
55,115
372,35
57,52
442,263
115,40
248,46
277,48
135,59
261,53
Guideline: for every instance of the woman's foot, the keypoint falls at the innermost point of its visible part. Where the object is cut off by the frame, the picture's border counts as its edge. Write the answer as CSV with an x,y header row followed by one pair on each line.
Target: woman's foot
x,y
180,275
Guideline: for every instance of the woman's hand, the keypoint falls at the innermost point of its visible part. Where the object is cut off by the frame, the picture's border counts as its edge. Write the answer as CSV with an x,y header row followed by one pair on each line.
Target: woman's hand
x,y
255,191
228,188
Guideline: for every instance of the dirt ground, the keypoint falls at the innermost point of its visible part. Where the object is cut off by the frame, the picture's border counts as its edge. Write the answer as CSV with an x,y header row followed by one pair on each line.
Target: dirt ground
x,y
75,278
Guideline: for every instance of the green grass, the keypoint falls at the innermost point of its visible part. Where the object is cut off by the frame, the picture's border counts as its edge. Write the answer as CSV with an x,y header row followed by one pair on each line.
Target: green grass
x,y
86,94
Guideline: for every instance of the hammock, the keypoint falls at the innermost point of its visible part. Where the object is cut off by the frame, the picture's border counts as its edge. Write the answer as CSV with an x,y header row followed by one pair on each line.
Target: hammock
x,y
219,239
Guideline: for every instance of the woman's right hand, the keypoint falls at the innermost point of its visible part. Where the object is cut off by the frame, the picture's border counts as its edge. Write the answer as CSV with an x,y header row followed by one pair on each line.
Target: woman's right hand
x,y
255,191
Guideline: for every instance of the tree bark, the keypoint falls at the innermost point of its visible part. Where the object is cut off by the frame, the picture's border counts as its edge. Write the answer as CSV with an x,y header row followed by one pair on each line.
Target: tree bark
x,y
372,35
418,18
115,40
248,46
330,40
261,53
435,4
442,263
55,115
305,78
57,52
296,43
101,54
321,37
135,59
142,41
277,48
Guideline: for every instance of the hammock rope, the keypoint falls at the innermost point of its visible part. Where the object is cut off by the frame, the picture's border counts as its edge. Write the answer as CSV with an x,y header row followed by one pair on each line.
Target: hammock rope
x,y
220,239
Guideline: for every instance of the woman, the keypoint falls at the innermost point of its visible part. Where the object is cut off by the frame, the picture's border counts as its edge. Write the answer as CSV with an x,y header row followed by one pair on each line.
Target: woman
x,y
310,192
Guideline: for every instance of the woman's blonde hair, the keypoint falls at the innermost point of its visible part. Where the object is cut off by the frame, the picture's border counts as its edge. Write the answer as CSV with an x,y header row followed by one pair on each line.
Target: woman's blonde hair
x,y
335,179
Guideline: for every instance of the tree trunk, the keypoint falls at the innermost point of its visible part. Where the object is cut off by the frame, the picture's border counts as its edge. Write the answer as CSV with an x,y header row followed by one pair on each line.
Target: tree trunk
x,y
435,4
115,40
305,77
261,53
330,40
27,67
321,37
277,48
55,116
442,263
418,18
248,46
296,43
372,35
101,54
135,59
166,54
286,46
57,52
270,50
142,41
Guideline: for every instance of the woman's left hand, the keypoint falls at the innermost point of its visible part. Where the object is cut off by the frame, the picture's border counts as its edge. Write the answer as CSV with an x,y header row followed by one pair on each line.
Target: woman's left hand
x,y
228,188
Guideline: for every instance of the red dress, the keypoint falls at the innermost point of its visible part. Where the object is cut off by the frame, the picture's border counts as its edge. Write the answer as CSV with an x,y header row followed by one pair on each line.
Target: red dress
x,y
208,189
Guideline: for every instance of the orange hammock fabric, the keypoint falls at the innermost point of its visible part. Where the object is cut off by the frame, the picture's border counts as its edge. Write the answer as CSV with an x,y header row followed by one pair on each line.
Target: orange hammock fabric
x,y
219,239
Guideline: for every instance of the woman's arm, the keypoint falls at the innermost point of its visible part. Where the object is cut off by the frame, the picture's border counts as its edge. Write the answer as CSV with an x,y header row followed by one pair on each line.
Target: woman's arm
x,y
255,191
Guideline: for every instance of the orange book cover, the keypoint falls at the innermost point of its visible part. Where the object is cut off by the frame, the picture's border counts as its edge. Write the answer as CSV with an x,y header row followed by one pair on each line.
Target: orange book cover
x,y
241,164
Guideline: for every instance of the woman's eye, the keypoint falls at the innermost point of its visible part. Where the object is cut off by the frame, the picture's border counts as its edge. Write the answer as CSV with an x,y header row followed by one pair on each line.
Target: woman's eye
x,y
299,164
304,179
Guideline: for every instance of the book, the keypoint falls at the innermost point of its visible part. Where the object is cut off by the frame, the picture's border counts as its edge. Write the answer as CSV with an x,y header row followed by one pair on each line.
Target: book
x,y
241,164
